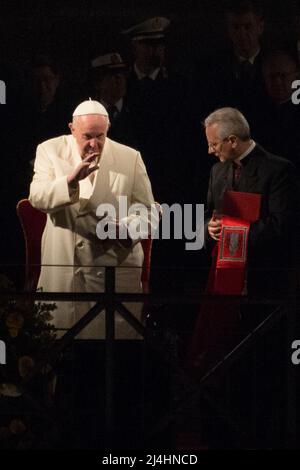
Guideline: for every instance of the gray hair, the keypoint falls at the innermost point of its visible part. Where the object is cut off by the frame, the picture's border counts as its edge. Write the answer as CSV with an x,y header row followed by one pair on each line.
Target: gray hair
x,y
231,122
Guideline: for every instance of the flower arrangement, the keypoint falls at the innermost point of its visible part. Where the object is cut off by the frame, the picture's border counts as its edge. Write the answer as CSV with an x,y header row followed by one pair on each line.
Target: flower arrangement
x,y
27,335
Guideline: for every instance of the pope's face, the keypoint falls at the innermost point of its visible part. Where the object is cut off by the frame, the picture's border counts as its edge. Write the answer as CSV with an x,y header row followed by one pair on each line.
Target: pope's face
x,y
90,132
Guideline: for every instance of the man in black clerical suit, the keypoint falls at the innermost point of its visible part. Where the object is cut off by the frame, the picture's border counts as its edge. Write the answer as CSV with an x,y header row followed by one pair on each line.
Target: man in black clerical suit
x,y
272,238
255,388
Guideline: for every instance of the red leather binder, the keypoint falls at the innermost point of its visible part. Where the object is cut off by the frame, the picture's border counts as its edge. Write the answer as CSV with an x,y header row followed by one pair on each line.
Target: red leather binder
x,y
218,326
241,205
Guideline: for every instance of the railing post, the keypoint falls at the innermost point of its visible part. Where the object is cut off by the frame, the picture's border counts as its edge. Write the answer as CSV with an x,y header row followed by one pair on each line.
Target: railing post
x,y
109,351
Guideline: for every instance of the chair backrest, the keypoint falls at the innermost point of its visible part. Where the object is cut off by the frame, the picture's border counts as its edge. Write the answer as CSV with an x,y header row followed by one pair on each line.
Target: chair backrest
x,y
33,222
145,277
147,248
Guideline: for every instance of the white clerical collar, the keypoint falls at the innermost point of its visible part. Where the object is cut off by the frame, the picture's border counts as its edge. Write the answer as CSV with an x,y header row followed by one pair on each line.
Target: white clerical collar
x,y
249,150
153,75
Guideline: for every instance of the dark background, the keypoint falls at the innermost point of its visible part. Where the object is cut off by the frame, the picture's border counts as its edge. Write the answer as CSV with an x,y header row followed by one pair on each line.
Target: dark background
x,y
74,32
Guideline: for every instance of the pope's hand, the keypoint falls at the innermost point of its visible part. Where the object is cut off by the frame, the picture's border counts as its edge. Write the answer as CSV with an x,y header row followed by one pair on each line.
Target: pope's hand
x,y
84,169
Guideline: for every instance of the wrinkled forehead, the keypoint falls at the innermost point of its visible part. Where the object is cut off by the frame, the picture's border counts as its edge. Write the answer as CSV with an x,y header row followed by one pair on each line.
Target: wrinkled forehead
x,y
212,129
90,122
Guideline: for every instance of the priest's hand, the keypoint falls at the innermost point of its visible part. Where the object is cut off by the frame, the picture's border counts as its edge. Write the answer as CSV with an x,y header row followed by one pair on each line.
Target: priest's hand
x,y
214,227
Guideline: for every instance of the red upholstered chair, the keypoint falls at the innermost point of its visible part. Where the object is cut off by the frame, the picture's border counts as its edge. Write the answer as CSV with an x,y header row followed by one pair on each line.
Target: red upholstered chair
x,y
145,277
33,223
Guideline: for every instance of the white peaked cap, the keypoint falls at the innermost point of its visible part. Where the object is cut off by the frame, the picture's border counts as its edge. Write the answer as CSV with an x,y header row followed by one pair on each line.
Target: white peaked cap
x,y
90,107
111,61
153,28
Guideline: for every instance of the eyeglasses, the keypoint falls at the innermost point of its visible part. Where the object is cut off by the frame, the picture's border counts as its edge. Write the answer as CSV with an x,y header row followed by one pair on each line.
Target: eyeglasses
x,y
214,145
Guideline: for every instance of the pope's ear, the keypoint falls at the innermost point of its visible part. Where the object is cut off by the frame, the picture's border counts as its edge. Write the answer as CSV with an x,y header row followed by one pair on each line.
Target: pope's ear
x,y
70,125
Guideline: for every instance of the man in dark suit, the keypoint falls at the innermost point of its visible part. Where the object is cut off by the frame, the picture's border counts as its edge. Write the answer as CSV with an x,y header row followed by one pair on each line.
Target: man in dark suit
x,y
278,115
255,387
109,86
153,89
162,131
245,166
235,74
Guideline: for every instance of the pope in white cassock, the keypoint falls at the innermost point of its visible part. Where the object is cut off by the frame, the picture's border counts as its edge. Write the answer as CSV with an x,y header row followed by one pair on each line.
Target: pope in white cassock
x,y
73,175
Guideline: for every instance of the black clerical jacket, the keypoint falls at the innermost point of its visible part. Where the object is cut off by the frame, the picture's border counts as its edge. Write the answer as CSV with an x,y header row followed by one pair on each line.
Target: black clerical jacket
x,y
272,248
